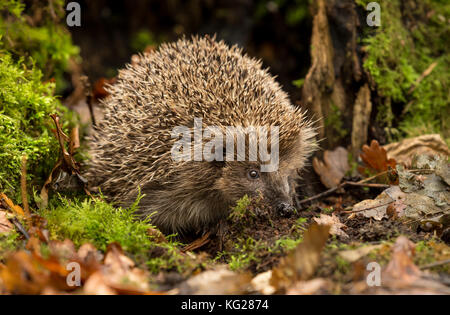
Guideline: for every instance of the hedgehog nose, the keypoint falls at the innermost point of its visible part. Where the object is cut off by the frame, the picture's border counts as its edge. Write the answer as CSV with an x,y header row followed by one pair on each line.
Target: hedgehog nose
x,y
284,209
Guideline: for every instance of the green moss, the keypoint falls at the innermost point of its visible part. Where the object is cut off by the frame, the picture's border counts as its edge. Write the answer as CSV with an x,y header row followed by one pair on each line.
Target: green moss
x,y
409,40
142,39
100,223
25,125
298,83
41,39
241,209
293,12
243,252
431,251
8,243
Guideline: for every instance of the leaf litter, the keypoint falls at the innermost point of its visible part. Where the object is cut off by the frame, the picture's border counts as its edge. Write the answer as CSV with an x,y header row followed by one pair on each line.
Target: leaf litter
x,y
323,249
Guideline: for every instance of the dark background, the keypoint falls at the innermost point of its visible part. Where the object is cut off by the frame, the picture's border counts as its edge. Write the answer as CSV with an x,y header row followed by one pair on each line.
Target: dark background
x,y
278,32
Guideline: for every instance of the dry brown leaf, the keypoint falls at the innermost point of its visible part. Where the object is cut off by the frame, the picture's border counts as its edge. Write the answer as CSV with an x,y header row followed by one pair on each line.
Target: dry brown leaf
x,y
376,157
335,224
333,167
120,274
5,225
353,255
98,91
313,286
7,203
221,280
261,283
402,276
301,263
404,151
377,208
96,285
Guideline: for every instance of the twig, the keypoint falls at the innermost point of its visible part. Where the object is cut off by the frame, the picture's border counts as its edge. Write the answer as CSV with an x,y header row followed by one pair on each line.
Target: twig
x,y
19,226
370,208
88,92
368,179
435,264
23,187
343,184
367,185
422,76
197,243
322,194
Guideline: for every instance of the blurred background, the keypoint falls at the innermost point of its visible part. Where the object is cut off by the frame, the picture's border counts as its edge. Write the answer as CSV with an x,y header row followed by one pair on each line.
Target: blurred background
x,y
278,32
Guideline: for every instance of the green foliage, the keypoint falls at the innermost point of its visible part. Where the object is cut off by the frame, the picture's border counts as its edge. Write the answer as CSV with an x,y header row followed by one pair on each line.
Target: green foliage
x,y
398,55
142,39
298,83
241,209
97,222
8,243
430,251
244,252
36,34
25,106
100,223
294,12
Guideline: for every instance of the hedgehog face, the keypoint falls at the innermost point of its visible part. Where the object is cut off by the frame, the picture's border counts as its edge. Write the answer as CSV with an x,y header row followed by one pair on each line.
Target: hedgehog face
x,y
239,179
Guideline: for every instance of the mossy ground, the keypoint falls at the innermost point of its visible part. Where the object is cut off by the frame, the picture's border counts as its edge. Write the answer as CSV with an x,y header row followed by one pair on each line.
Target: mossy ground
x,y
33,31
25,124
33,50
254,237
100,223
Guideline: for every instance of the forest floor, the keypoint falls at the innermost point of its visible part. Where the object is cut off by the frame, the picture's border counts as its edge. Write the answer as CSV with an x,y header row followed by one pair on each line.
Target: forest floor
x,y
379,228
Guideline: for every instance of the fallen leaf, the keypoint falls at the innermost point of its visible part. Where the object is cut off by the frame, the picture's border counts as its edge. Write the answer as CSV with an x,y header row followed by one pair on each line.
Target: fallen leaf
x,y
333,167
220,280
353,255
377,208
335,224
313,286
402,276
261,283
7,203
301,262
5,225
99,90
376,157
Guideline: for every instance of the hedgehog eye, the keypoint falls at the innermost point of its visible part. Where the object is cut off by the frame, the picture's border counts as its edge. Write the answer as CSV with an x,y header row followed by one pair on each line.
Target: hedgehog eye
x,y
253,174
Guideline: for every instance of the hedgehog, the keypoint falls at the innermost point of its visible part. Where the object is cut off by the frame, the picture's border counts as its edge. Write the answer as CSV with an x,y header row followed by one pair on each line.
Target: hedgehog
x,y
200,78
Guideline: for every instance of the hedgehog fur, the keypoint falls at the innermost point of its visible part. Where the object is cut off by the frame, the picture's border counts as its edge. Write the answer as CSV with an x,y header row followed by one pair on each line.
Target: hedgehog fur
x,y
130,147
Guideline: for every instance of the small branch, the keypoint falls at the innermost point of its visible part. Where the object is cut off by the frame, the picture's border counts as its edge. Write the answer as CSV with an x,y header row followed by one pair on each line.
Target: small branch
x,y
367,185
423,76
197,243
23,187
19,227
435,264
370,208
88,93
322,194
343,184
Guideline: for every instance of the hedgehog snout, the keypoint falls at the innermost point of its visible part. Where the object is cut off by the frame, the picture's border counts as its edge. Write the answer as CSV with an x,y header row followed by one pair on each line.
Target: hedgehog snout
x,y
284,209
